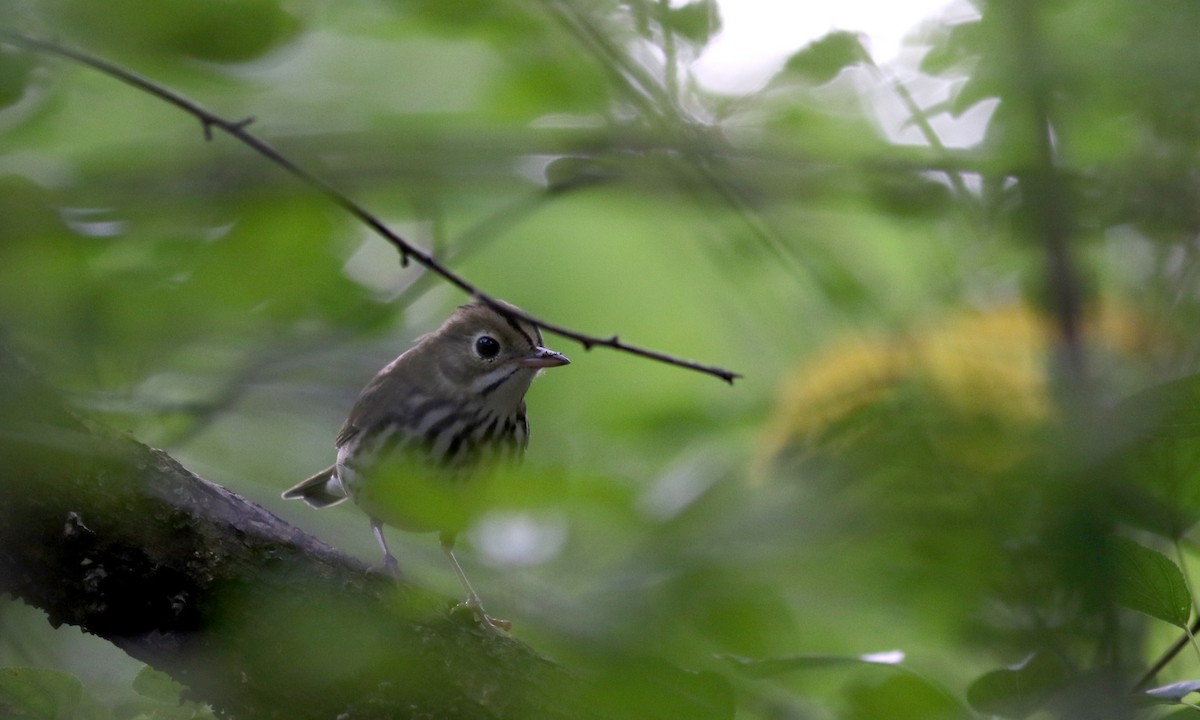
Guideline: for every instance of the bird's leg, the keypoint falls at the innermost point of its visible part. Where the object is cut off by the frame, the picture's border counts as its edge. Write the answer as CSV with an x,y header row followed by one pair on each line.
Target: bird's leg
x,y
390,566
472,603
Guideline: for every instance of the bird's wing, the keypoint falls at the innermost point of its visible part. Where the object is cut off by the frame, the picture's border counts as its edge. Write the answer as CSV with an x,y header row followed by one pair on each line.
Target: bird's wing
x,y
349,430
373,404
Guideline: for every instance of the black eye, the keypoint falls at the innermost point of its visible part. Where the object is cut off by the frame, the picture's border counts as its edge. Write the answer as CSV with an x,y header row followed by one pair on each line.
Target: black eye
x,y
487,347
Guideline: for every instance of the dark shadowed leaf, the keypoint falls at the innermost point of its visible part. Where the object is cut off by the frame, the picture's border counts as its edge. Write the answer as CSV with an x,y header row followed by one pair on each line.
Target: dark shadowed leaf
x,y
1018,690
1161,479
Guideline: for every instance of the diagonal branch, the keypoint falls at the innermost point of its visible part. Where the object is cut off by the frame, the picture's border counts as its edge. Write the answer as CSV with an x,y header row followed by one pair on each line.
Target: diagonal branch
x,y
239,130
255,617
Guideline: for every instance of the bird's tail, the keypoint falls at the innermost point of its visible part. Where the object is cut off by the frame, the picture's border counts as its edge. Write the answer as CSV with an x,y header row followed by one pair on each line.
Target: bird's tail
x,y
320,490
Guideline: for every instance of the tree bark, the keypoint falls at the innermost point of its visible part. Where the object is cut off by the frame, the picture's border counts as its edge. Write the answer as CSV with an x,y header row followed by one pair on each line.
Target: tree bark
x,y
255,617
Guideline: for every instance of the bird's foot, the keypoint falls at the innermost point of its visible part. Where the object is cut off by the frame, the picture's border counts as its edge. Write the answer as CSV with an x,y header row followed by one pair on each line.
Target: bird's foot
x,y
391,568
474,606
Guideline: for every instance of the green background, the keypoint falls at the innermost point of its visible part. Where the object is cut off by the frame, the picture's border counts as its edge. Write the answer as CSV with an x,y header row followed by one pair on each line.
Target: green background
x,y
943,443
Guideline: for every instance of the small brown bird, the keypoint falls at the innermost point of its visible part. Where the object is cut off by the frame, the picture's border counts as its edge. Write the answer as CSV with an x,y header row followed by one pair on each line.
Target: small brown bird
x,y
449,404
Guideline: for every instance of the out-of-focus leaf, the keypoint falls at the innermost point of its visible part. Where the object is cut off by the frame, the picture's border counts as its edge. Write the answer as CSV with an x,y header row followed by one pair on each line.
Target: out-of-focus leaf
x,y
1169,410
912,196
164,698
15,71
647,688
215,30
697,21
967,49
156,685
569,173
1175,692
974,91
821,60
500,19
236,30
1018,690
544,68
1160,482
1149,582
769,667
953,48
541,78
29,692
902,697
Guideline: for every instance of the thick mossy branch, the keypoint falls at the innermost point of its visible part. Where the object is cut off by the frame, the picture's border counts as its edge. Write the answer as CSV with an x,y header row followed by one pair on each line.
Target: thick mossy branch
x,y
254,616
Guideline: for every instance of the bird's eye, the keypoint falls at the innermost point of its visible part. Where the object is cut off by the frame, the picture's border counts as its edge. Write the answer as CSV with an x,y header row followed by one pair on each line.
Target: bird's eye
x,y
487,347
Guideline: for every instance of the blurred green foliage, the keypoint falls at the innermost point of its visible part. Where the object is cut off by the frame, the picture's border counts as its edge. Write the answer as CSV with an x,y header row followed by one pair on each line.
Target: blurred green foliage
x,y
968,425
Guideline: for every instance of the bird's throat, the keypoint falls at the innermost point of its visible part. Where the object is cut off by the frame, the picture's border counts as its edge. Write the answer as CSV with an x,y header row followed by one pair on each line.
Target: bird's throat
x,y
502,389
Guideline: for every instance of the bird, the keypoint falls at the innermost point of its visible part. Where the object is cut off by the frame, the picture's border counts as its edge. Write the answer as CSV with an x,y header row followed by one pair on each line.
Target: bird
x,y
442,412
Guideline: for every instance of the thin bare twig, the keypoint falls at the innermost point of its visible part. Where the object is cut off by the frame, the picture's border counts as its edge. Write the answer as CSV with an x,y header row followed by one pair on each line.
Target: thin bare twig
x,y
238,129
1168,655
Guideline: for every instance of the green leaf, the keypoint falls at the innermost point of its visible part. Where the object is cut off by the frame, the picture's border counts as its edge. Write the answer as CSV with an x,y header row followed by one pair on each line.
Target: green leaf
x,y
697,21
156,685
1149,582
38,693
225,31
955,48
821,60
1018,690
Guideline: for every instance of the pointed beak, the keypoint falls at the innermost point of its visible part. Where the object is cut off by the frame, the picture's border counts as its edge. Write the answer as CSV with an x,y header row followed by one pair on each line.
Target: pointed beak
x,y
543,358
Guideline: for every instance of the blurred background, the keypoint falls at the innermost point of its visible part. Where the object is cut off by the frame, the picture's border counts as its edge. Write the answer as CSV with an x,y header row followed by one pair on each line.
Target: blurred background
x,y
948,264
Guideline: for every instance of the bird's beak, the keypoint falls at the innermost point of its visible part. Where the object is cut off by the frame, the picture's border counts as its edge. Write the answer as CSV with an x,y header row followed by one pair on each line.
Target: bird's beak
x,y
543,358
